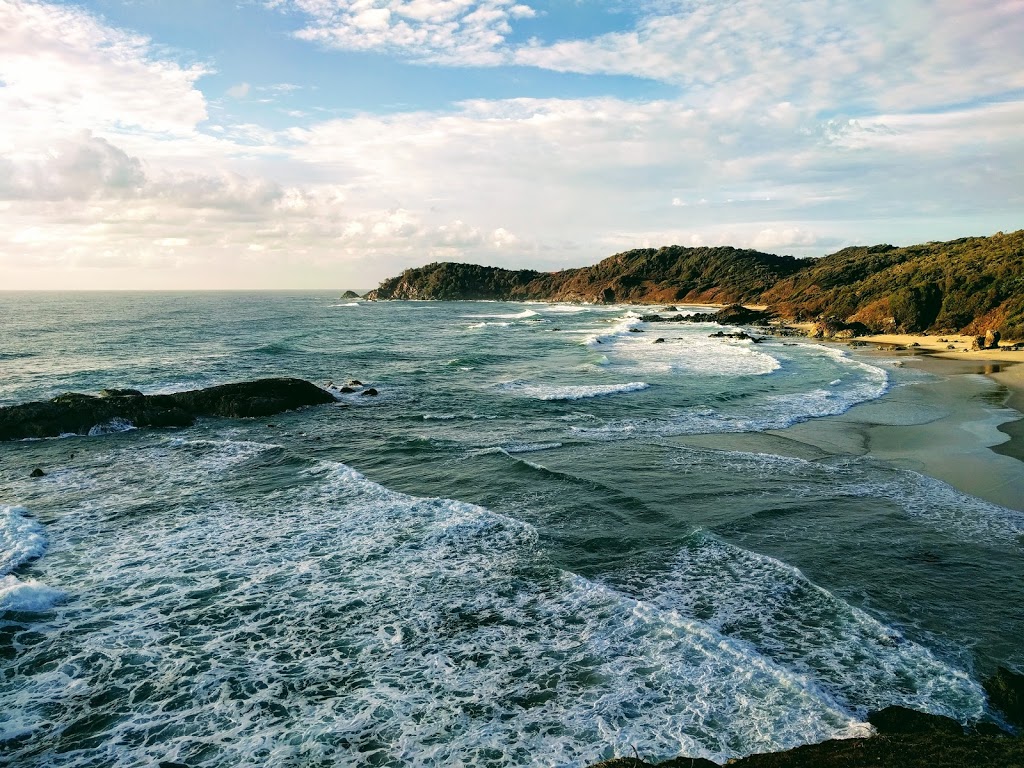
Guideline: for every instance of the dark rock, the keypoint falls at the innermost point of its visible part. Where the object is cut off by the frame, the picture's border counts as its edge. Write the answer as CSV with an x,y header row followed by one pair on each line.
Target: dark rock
x,y
120,393
350,295
992,339
950,346
171,764
900,720
1005,692
371,392
740,335
670,309
979,342
834,328
737,314
355,383
915,344
37,472
346,390
659,340
75,413
920,750
989,729
635,330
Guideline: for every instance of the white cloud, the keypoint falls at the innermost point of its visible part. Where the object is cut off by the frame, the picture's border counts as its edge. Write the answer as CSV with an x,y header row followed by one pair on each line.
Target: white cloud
x,y
106,163
453,31
239,91
872,54
64,71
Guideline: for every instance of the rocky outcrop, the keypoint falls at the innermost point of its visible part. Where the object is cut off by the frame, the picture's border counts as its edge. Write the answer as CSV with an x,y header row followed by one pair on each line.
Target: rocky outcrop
x,y
734,314
1005,691
904,739
834,328
119,409
350,295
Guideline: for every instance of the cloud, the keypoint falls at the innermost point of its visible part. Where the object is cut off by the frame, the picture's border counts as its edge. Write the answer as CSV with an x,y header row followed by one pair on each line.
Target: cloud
x,y
465,32
76,168
872,54
64,71
239,91
107,162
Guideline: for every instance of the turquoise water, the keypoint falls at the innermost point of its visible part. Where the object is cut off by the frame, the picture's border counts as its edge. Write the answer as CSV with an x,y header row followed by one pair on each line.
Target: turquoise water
x,y
519,553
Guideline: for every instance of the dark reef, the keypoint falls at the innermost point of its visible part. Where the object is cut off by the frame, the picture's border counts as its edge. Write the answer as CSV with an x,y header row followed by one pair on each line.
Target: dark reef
x,y
74,413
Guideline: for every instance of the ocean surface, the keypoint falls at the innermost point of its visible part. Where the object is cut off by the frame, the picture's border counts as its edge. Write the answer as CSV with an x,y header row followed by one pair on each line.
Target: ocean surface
x,y
522,552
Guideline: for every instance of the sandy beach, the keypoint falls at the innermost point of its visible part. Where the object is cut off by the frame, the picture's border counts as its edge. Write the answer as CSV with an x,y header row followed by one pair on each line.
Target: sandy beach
x,y
963,423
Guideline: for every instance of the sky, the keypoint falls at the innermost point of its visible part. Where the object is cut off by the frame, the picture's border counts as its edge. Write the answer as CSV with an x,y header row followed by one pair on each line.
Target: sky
x,y
287,144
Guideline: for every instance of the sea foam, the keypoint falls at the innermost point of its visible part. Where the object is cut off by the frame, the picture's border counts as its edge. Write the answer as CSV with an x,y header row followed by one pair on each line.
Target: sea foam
x,y
570,392
21,539
339,621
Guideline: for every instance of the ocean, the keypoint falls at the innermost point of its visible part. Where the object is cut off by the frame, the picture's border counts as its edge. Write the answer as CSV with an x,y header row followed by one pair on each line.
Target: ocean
x,y
556,535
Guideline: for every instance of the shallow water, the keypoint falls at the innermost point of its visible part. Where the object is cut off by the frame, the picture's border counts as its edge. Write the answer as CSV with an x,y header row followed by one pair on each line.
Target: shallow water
x,y
512,556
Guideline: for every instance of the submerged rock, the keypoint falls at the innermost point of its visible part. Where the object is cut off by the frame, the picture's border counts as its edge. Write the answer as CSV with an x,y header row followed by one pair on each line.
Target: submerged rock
x,y
37,472
371,392
76,413
1005,691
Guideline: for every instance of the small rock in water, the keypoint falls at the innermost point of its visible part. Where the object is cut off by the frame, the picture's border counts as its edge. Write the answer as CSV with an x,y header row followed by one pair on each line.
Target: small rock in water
x,y
371,392
355,383
346,390
659,340
635,330
37,472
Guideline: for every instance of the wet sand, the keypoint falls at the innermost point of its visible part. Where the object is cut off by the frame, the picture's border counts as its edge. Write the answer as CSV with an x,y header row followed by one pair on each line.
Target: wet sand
x,y
957,420
962,422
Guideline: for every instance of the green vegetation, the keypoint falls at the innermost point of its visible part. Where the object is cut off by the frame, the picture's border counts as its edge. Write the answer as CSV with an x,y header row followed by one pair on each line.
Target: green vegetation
x,y
967,285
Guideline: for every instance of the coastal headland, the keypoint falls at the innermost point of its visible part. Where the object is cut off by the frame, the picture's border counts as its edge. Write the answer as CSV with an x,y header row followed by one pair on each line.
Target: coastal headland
x,y
968,286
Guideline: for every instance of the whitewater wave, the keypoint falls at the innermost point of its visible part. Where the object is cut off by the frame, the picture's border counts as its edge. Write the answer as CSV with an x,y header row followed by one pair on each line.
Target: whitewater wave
x,y
516,316
570,392
22,539
862,663
431,631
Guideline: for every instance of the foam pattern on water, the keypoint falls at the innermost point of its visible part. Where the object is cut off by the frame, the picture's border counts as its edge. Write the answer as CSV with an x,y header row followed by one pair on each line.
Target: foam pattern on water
x,y
343,623
776,411
570,392
685,349
919,496
21,539
772,606
506,316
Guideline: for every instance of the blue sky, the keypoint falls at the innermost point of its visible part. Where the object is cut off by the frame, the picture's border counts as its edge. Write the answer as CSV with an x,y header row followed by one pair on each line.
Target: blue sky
x,y
332,143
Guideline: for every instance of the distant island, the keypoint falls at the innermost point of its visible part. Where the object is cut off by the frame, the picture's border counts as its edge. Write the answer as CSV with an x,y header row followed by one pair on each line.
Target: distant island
x,y
969,285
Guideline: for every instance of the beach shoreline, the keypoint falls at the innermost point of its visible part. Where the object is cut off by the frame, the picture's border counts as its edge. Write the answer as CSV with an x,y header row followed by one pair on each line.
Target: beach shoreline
x,y
963,423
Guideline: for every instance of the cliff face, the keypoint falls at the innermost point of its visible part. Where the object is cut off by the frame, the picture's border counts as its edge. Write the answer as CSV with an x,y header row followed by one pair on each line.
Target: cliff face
x,y
967,285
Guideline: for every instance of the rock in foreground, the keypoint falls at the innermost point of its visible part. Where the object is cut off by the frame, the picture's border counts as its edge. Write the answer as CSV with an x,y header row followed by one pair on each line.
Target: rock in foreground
x,y
905,739
115,410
